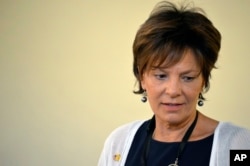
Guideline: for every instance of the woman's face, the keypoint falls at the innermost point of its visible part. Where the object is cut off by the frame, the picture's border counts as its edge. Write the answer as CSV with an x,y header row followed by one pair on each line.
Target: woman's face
x,y
173,92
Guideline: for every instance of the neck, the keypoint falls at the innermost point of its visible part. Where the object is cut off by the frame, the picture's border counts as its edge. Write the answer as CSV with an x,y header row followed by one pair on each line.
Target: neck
x,y
169,132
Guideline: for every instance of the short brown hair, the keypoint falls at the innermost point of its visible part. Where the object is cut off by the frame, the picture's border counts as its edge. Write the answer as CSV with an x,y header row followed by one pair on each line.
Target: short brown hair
x,y
168,33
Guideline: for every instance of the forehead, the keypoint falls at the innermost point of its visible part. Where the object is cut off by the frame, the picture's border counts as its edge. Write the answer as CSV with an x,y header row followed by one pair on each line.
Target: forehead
x,y
183,59
187,63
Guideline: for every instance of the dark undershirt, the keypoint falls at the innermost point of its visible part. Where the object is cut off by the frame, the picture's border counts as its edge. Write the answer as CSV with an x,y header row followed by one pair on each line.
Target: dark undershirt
x,y
196,153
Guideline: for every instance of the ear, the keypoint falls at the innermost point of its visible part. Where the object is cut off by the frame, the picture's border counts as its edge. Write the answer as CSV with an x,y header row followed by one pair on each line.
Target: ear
x,y
141,78
202,86
142,81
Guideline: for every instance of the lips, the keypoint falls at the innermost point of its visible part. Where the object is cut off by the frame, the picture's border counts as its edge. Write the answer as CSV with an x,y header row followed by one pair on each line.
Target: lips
x,y
172,106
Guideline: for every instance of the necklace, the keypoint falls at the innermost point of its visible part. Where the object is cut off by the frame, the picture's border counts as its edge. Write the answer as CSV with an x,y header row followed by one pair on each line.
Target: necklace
x,y
182,145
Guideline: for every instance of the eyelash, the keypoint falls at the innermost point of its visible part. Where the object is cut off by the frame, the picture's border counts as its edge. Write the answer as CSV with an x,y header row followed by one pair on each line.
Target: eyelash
x,y
164,76
160,76
187,78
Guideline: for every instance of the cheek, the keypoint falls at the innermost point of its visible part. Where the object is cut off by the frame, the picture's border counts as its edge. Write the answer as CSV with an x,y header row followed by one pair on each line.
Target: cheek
x,y
145,82
192,92
200,84
154,91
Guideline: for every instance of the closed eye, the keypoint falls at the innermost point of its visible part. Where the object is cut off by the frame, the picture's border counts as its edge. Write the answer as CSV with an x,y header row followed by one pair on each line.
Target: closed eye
x,y
161,76
187,78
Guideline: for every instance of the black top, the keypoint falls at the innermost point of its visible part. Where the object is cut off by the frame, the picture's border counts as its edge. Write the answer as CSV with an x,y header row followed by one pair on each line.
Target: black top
x,y
196,153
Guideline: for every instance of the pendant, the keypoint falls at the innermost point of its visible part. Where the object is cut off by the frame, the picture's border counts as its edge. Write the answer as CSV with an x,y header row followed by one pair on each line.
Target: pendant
x,y
175,163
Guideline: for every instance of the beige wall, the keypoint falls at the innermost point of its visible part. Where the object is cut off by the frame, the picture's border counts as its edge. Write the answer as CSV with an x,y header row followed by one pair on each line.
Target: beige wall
x,y
66,80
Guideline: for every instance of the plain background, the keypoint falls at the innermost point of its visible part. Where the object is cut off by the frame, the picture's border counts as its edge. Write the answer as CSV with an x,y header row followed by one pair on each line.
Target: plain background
x,y
66,75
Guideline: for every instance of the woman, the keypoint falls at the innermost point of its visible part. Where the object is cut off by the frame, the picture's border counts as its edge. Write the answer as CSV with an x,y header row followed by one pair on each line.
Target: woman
x,y
174,53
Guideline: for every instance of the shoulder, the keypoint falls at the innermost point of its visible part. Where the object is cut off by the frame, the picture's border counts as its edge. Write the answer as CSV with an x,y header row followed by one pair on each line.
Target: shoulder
x,y
122,136
125,130
232,129
237,136
118,143
228,136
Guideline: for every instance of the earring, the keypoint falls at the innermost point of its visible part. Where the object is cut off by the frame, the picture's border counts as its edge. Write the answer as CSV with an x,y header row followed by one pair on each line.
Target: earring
x,y
200,103
144,97
200,100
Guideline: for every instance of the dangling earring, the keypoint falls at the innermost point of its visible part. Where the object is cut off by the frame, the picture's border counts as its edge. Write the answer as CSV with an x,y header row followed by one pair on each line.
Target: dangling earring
x,y
144,97
200,100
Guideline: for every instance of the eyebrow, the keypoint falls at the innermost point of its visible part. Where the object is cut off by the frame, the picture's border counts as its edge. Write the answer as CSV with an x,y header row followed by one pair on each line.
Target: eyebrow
x,y
182,73
190,71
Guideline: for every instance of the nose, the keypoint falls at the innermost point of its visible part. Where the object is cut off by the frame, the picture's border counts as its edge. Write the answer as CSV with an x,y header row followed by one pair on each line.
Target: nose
x,y
173,87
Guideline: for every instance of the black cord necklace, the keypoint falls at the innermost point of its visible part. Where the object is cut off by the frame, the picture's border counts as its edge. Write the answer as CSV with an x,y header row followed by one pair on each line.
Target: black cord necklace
x,y
150,131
